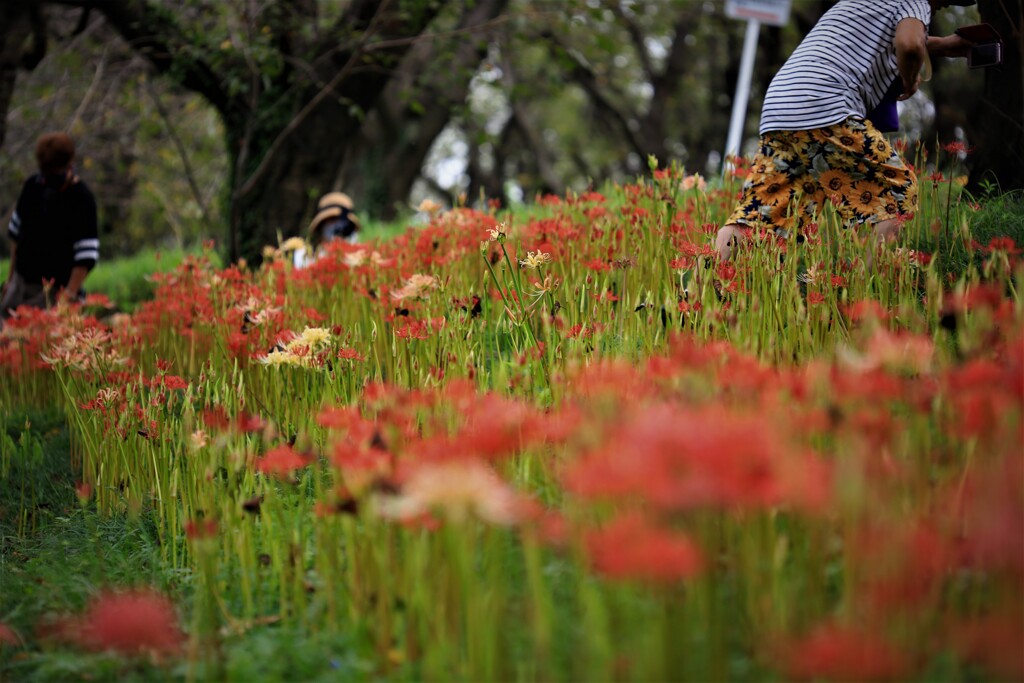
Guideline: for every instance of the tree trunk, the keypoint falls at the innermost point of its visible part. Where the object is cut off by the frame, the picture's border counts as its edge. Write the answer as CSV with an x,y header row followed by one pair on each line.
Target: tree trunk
x,y
388,157
295,178
999,157
18,19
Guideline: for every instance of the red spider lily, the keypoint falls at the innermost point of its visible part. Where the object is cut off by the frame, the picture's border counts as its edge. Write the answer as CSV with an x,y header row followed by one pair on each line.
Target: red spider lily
x,y
870,386
983,393
281,462
200,529
346,353
894,352
362,466
682,263
815,298
630,547
313,316
339,417
216,418
83,491
579,331
686,307
1004,245
990,517
174,382
8,636
993,642
414,329
726,271
957,148
491,427
244,422
984,296
131,623
838,653
98,300
678,459
901,565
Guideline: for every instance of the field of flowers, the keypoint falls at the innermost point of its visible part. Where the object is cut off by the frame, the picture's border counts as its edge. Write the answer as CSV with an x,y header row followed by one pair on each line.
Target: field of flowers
x,y
559,444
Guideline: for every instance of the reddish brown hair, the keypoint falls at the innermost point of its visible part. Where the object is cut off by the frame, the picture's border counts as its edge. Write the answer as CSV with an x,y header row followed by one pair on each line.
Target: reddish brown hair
x,y
54,151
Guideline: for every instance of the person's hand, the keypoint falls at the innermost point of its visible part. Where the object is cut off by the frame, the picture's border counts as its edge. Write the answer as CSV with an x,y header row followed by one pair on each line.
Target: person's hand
x,y
69,297
910,87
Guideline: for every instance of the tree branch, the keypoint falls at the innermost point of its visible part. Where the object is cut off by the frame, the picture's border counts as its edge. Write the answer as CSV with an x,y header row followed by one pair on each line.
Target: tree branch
x,y
154,33
182,152
384,21
31,58
583,75
545,166
635,35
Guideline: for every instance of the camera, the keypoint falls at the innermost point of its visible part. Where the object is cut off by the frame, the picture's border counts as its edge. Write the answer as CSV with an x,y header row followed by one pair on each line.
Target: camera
x,y
988,45
986,54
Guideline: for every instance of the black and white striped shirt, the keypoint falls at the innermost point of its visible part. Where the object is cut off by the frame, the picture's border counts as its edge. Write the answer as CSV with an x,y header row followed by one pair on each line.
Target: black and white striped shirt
x,y
842,68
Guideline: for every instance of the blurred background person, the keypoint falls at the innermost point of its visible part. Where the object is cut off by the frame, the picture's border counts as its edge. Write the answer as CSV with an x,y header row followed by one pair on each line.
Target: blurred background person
x,y
335,219
53,235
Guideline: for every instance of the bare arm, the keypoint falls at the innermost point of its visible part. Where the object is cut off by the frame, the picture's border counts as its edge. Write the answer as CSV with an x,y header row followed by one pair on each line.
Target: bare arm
x,y
911,52
948,46
78,274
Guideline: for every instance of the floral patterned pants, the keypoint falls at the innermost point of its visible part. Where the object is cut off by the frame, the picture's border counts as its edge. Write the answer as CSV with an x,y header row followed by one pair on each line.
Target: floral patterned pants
x,y
850,164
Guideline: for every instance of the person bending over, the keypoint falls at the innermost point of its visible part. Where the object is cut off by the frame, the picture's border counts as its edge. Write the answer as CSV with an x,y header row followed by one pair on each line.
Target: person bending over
x,y
817,144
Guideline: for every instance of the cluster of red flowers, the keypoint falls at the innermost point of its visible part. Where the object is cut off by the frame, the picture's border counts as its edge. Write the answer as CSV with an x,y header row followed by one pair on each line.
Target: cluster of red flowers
x,y
630,458
138,622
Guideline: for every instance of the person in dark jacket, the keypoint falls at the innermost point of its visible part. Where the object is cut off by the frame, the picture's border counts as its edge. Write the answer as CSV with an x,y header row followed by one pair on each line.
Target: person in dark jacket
x,y
54,243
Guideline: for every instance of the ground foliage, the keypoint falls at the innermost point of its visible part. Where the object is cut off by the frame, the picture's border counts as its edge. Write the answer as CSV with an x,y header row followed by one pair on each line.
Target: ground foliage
x,y
563,444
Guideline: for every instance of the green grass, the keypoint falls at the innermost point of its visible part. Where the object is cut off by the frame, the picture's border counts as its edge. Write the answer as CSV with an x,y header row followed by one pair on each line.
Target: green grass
x,y
998,216
127,280
55,555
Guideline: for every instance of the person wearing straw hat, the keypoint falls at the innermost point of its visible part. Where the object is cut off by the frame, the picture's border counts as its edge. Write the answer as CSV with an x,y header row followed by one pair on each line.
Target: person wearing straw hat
x,y
335,219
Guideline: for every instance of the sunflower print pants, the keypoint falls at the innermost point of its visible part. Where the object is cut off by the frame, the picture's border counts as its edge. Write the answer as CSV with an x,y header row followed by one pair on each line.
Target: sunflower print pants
x,y
849,164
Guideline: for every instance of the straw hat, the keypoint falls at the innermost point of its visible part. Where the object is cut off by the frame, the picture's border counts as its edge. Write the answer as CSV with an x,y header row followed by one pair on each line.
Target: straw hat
x,y
331,205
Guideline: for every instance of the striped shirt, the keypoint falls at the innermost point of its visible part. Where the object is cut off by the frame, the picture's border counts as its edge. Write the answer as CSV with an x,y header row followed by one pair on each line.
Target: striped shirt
x,y
842,68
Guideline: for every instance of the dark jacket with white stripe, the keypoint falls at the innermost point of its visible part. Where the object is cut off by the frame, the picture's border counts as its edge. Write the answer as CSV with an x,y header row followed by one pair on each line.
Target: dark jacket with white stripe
x,y
54,226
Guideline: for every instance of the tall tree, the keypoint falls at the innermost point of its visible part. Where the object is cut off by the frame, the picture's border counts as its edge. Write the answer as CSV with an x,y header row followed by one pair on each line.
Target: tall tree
x,y
292,81
18,19
385,161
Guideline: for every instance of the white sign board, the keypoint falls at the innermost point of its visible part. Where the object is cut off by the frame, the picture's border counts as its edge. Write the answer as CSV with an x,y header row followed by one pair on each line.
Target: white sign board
x,y
771,12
